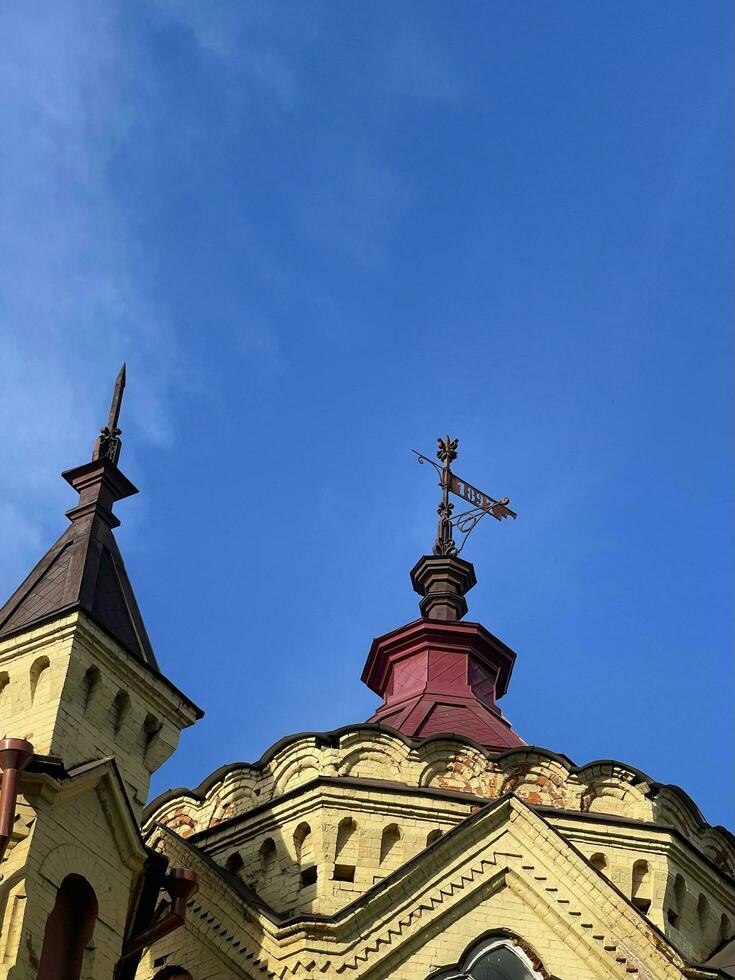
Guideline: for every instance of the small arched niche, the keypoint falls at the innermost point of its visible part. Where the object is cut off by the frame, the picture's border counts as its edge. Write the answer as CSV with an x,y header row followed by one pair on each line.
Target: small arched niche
x,y
4,687
433,836
676,902
304,848
725,928
40,678
235,863
149,733
268,856
69,930
119,712
703,916
345,852
599,861
90,687
390,846
641,886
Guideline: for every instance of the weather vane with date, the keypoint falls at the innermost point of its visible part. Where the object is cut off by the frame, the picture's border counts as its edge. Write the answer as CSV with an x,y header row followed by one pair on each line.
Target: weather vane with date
x,y
481,503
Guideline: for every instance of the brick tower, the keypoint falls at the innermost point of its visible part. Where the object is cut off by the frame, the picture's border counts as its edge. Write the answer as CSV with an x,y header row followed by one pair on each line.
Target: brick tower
x,y
86,717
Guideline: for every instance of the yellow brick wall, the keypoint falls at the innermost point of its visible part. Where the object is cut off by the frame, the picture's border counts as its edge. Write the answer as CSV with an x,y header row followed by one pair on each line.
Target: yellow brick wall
x,y
48,699
504,910
67,836
708,896
388,829
506,871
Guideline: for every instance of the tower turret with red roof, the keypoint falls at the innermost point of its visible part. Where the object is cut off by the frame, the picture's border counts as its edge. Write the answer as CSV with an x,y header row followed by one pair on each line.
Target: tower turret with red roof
x,y
439,674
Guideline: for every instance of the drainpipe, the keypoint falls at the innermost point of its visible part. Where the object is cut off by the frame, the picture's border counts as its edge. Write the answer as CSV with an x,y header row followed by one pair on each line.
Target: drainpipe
x,y
181,885
15,754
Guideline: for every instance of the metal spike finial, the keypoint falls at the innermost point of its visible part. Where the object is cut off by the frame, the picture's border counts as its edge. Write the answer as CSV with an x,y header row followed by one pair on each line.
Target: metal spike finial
x,y
108,443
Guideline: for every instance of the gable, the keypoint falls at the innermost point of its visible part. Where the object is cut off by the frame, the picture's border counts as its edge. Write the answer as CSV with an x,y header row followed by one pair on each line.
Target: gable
x,y
90,809
503,869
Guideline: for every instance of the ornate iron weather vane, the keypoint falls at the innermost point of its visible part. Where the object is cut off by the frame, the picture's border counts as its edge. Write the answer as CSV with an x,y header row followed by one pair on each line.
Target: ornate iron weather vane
x,y
108,443
482,503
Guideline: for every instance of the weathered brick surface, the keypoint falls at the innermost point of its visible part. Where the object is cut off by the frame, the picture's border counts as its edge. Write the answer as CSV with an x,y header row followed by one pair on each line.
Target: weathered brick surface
x,y
80,824
375,856
504,869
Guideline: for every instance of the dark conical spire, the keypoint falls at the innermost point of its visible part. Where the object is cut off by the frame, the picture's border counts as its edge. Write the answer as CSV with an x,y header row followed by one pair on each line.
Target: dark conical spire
x,y
84,569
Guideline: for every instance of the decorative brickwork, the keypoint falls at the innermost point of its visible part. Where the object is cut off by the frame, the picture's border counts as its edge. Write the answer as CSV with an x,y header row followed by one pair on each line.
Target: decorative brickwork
x,y
538,777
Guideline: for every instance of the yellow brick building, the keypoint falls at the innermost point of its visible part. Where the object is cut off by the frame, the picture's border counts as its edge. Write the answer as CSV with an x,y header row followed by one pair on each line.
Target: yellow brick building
x,y
429,842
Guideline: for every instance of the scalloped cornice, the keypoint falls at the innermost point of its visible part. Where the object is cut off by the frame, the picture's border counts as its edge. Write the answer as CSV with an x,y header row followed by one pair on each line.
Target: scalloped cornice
x,y
536,775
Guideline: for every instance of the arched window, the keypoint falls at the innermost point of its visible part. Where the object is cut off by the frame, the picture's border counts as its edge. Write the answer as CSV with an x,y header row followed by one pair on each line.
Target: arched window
x,y
69,930
345,852
725,928
598,861
432,836
641,888
390,846
4,682
173,973
494,959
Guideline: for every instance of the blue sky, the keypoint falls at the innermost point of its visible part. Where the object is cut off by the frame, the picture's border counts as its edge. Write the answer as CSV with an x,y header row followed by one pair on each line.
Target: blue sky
x,y
321,234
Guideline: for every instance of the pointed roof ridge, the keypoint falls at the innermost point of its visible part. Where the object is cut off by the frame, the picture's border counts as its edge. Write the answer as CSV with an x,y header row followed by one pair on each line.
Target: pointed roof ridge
x,y
84,569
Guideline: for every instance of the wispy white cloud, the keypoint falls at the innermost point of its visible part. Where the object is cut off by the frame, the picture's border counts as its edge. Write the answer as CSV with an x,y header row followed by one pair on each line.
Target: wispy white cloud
x,y
235,33
70,311
72,305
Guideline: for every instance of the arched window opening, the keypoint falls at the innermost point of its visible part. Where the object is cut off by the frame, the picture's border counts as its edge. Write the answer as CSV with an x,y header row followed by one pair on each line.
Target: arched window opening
x,y
268,856
703,912
173,973
390,845
345,853
120,708
725,928
40,680
304,847
641,889
598,861
495,959
69,930
676,904
90,686
235,863
433,836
